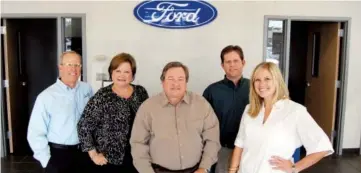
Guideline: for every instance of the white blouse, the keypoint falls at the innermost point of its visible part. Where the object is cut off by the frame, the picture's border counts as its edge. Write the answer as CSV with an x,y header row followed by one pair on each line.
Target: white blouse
x,y
288,127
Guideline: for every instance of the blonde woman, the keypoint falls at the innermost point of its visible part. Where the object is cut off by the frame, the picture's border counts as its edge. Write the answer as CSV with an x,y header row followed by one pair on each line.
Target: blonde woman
x,y
273,126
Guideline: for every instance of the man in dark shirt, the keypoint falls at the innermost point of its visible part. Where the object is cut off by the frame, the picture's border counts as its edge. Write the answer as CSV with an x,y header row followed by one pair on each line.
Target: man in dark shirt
x,y
228,98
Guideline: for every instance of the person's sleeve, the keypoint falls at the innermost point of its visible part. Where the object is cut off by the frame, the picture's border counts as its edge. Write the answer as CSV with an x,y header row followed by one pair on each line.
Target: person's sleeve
x,y
207,95
139,141
311,135
144,94
88,122
38,131
90,91
210,137
239,142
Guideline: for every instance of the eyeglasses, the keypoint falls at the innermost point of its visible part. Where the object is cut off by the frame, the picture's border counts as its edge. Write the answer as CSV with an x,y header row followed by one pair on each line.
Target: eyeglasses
x,y
71,65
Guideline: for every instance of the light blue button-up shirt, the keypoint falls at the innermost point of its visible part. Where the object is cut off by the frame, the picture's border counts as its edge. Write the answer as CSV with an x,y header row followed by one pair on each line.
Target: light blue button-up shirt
x,y
54,118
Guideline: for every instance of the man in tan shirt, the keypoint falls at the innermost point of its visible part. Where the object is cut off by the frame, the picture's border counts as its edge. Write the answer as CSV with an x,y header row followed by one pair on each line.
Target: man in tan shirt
x,y
176,130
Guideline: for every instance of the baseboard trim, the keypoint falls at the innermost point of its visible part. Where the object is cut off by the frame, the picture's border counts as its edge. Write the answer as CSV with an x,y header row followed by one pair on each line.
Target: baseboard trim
x,y
351,151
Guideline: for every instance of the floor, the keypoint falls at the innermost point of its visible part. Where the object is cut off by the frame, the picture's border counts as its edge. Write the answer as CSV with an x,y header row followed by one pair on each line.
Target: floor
x,y
345,164
20,164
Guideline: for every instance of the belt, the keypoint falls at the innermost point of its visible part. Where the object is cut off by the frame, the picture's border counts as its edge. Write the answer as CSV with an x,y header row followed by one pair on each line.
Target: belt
x,y
64,147
160,169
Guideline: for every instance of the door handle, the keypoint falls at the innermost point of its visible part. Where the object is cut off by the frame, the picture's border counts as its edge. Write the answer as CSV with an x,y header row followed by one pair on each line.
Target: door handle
x,y
308,84
23,83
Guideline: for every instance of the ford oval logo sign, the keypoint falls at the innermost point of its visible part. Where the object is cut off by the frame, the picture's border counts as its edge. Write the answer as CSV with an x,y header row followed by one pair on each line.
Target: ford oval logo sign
x,y
176,14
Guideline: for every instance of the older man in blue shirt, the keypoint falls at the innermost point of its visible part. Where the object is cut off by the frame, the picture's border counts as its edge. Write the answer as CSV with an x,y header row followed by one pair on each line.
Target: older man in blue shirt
x,y
52,131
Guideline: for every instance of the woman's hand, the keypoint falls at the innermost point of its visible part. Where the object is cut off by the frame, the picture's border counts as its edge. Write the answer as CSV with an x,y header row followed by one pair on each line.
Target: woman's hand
x,y
97,158
279,163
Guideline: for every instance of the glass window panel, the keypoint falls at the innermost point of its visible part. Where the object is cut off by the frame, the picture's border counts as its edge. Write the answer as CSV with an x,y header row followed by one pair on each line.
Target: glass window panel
x,y
276,42
72,36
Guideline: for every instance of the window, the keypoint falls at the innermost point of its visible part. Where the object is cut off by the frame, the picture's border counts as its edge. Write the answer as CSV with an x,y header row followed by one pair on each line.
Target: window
x,y
275,42
72,39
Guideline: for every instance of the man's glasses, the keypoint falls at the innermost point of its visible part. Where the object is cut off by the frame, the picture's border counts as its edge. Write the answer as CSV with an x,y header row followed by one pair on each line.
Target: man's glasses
x,y
71,65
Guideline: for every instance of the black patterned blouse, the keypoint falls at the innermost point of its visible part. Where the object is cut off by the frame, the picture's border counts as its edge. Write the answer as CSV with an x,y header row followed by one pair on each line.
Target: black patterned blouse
x,y
106,123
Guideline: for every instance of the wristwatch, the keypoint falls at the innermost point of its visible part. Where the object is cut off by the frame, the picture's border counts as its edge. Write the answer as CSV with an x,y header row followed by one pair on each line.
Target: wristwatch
x,y
294,169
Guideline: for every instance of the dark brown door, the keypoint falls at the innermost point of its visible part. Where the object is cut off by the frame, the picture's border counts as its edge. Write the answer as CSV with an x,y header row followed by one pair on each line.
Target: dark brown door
x,y
31,66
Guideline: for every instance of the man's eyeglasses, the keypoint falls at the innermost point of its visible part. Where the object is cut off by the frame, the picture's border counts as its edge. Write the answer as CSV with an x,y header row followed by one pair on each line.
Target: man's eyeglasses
x,y
71,65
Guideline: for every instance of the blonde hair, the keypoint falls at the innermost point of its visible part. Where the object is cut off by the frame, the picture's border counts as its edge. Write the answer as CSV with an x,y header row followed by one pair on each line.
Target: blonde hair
x,y
281,92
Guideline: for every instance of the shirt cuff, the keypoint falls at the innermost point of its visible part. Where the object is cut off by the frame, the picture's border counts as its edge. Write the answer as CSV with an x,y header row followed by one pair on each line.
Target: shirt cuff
x,y
238,142
206,163
147,169
323,145
86,149
44,160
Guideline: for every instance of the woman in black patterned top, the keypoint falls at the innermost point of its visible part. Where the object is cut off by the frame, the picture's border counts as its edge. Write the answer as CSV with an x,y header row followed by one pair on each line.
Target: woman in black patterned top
x,y
105,126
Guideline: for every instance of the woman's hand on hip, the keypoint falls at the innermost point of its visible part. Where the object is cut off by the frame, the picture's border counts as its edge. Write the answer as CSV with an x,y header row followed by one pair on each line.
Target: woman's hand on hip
x,y
279,163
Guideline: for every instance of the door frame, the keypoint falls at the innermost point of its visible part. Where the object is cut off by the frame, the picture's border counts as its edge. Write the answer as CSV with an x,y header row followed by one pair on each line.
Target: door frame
x,y
3,141
60,30
60,48
344,61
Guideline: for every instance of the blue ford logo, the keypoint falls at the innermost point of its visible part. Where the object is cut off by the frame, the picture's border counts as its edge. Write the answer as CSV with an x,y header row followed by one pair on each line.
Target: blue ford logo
x,y
176,14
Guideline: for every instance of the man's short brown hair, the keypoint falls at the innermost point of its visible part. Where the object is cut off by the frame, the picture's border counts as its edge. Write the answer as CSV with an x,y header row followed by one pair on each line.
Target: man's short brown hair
x,y
121,58
231,48
174,64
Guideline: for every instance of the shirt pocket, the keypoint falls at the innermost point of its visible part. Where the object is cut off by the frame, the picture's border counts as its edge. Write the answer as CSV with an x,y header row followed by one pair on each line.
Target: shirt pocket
x,y
195,125
83,101
162,130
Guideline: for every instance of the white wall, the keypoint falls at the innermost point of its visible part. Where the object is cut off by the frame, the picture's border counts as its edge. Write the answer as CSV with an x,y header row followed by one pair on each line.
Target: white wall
x,y
112,28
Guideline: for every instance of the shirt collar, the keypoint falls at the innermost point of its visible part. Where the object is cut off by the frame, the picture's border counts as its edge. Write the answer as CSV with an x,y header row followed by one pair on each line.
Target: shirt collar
x,y
230,83
278,105
165,101
65,87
